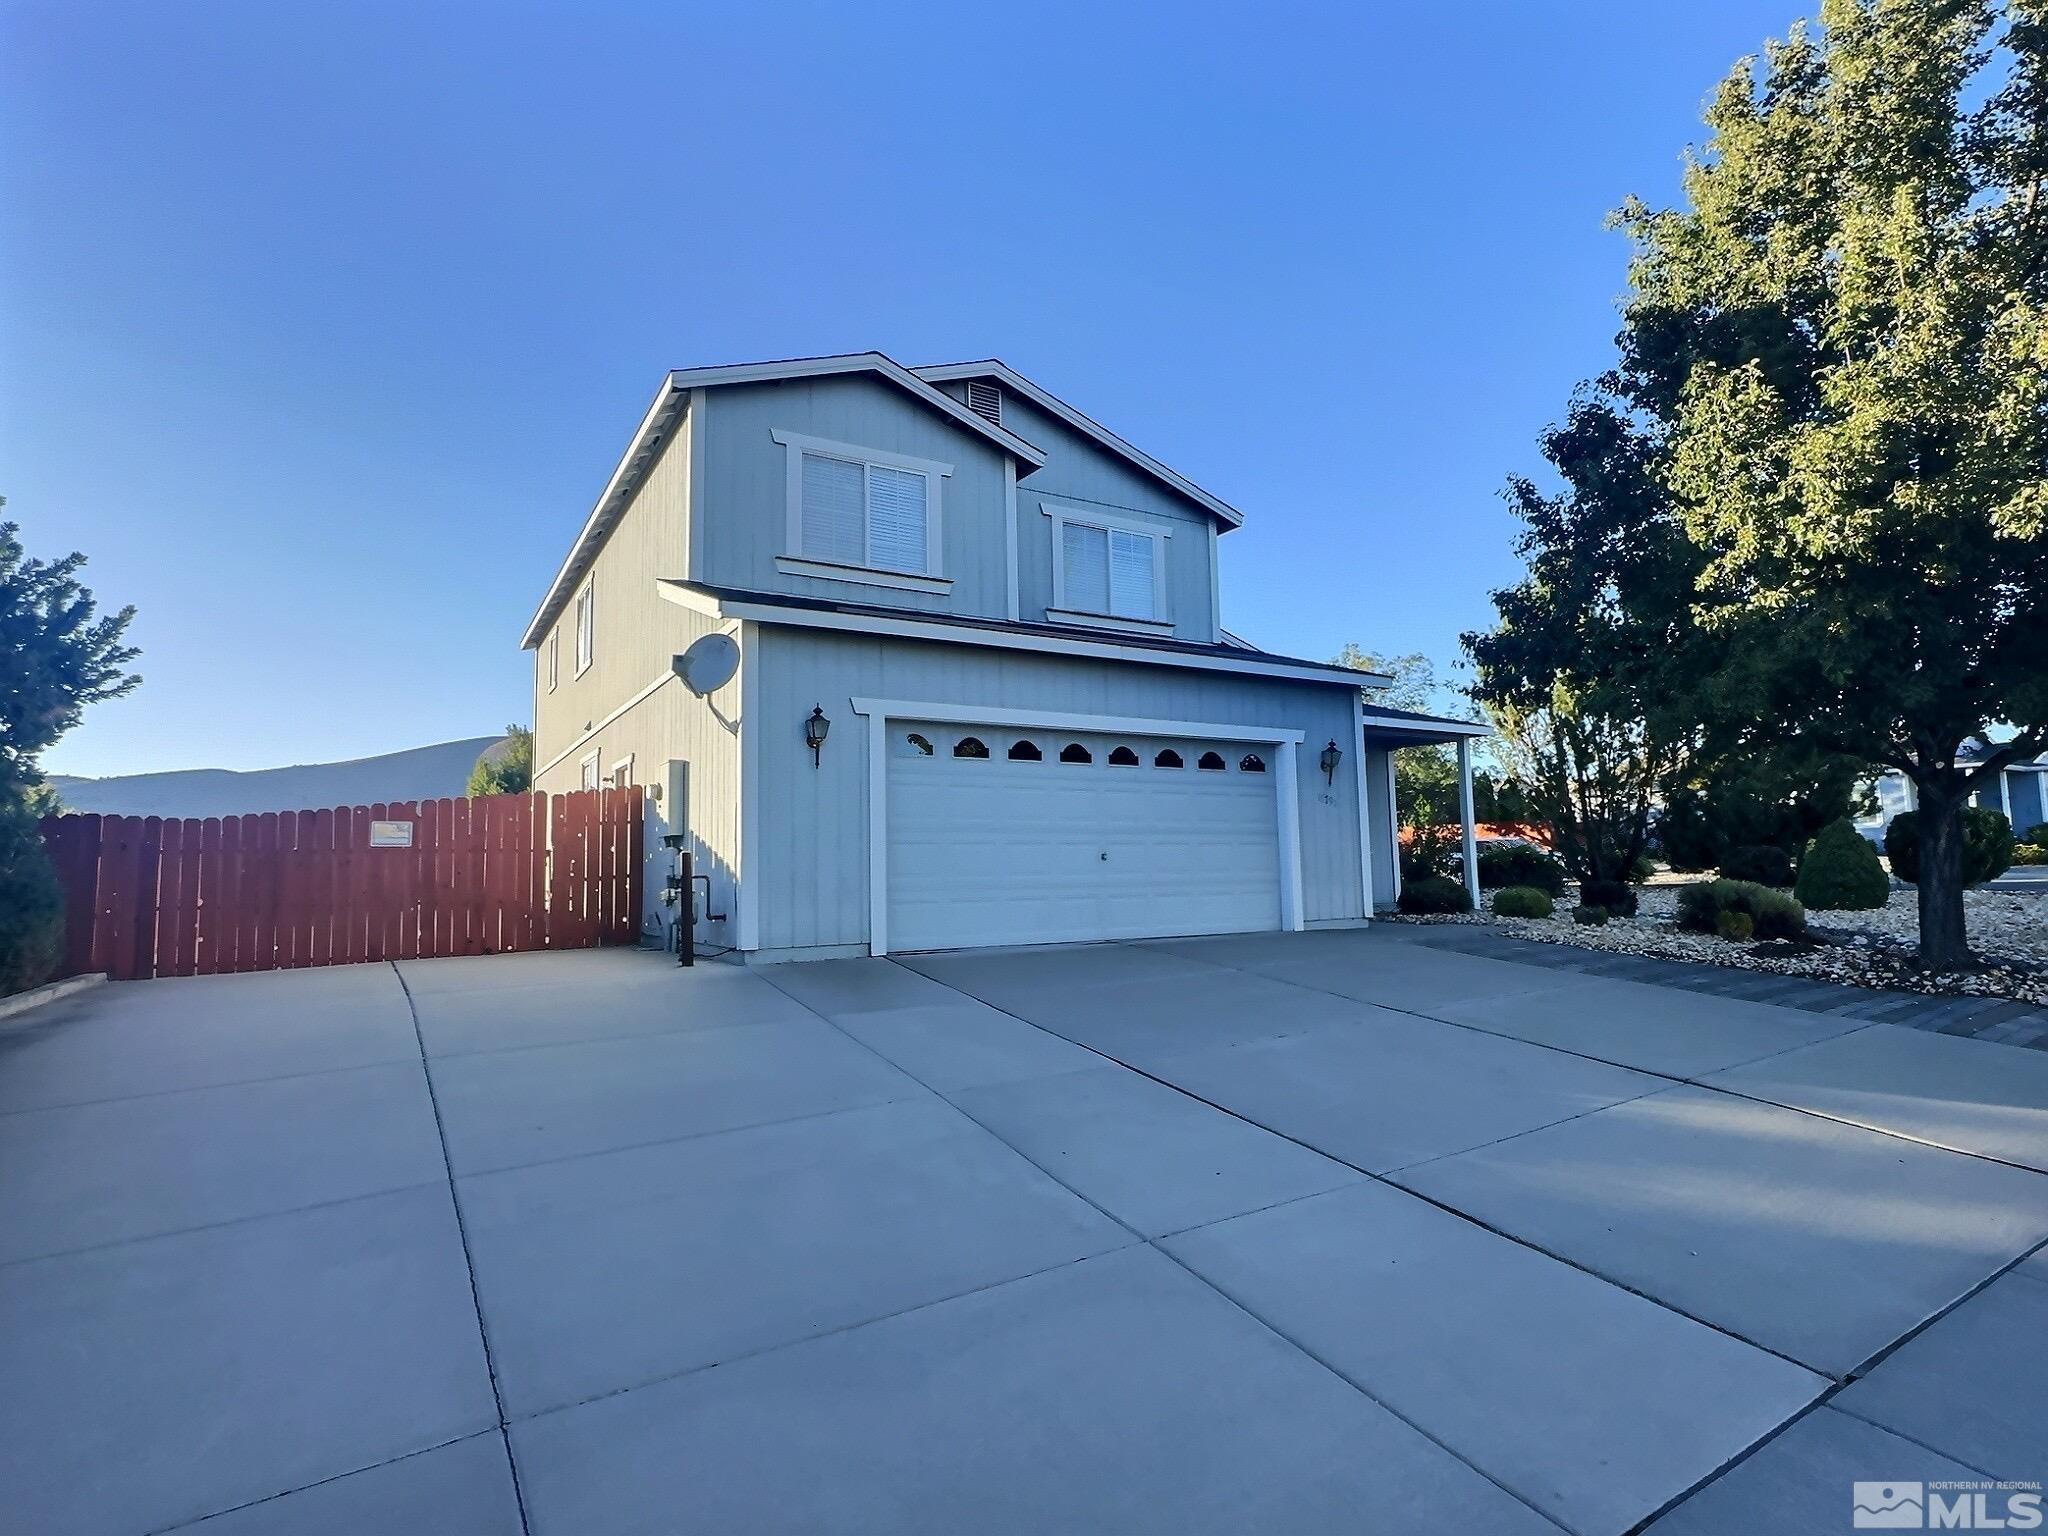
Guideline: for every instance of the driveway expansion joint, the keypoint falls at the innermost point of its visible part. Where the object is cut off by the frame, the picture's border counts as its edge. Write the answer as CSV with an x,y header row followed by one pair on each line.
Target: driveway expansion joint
x,y
468,1259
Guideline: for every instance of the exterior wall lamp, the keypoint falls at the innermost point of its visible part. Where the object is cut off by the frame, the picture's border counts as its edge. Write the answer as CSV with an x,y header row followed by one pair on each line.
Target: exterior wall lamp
x,y
815,729
1331,757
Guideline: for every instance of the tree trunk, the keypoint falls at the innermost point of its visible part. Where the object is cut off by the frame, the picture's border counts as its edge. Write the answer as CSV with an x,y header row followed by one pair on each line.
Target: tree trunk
x,y
1944,943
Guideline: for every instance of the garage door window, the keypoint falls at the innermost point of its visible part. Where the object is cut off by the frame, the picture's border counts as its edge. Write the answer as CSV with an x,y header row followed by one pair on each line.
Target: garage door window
x,y
1074,752
1251,762
1168,758
1210,762
970,746
1123,757
1025,752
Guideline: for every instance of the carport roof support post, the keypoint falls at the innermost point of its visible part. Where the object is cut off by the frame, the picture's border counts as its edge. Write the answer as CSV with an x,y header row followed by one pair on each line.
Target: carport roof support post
x,y
1470,845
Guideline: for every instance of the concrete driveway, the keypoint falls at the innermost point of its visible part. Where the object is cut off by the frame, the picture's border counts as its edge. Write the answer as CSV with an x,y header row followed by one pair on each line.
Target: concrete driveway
x,y
1323,1232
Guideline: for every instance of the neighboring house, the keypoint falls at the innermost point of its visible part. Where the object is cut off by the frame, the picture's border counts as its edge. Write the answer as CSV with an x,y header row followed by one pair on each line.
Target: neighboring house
x,y
1008,620
2021,795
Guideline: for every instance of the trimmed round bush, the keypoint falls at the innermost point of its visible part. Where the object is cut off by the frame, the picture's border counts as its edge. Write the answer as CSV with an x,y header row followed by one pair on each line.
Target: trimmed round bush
x,y
1735,927
1523,901
1841,872
1591,917
1987,845
1772,914
1433,894
1759,864
1617,896
1520,864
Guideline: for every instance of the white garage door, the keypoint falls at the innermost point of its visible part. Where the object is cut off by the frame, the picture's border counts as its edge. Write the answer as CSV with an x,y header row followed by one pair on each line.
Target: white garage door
x,y
1006,836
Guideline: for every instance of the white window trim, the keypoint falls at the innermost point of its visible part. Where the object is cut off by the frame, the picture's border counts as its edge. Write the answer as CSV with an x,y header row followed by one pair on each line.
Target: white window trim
x,y
554,657
586,602
935,475
594,762
612,773
861,575
1083,620
1089,517
880,712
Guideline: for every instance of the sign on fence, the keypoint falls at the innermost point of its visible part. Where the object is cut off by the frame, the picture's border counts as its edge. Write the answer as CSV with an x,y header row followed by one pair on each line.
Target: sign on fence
x,y
145,896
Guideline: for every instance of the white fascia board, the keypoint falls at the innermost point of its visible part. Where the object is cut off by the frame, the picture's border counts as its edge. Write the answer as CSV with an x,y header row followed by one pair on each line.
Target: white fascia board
x,y
686,597
1052,405
654,425
1430,730
952,634
1056,720
864,362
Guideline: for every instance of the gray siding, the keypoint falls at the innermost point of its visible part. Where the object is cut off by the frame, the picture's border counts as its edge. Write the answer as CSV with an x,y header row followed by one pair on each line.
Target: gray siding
x,y
637,631
1079,472
744,525
811,857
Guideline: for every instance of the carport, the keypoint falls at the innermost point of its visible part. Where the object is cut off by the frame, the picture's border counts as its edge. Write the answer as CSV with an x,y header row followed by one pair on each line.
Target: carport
x,y
1383,731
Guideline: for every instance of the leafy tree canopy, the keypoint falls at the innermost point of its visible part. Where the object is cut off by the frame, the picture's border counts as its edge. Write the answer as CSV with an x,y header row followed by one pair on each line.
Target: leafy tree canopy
x,y
1842,343
1581,673
56,656
504,769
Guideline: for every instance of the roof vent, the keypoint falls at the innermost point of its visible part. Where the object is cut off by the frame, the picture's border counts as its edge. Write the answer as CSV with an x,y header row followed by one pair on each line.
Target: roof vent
x,y
985,400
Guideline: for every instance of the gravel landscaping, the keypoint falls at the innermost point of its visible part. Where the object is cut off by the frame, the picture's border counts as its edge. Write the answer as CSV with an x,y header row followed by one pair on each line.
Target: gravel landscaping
x,y
2008,930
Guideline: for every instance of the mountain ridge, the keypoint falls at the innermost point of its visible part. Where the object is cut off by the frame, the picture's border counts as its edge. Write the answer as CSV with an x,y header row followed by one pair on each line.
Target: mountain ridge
x,y
417,773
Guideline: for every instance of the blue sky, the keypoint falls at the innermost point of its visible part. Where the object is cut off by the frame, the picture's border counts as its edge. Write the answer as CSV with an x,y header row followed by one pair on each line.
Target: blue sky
x,y
320,326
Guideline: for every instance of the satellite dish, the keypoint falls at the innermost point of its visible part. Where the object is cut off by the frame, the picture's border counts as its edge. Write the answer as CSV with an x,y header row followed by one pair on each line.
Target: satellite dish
x,y
709,663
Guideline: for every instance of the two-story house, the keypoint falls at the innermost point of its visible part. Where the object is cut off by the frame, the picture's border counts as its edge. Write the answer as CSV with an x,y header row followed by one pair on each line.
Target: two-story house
x,y
1004,622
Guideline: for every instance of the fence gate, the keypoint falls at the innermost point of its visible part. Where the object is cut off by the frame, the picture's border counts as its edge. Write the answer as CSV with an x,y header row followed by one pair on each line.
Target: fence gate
x,y
151,896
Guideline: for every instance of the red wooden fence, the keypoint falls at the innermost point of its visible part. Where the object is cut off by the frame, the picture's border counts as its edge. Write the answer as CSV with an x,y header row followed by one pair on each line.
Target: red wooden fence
x,y
146,896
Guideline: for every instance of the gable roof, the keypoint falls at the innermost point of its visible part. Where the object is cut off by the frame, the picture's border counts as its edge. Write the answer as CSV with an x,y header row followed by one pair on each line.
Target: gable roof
x,y
667,409
885,368
1052,405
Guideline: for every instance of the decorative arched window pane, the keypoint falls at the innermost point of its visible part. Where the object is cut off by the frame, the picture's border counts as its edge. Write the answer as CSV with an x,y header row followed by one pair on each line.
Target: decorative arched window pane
x,y
1074,752
1211,761
1124,757
1025,752
969,746
1168,758
1251,762
919,744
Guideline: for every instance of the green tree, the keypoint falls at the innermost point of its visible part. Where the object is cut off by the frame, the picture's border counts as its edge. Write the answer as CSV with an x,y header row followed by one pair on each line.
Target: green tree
x,y
506,768
1845,335
1425,778
56,657
1582,675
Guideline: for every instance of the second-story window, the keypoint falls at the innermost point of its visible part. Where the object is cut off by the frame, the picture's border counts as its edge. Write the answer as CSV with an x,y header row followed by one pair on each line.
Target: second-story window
x,y
586,627
554,657
1106,565
864,514
870,515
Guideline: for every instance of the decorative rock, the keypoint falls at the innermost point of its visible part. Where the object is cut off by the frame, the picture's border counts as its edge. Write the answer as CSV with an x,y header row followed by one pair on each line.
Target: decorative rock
x,y
2008,930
